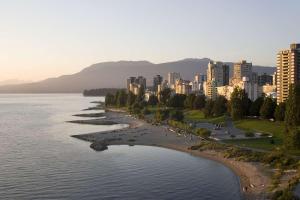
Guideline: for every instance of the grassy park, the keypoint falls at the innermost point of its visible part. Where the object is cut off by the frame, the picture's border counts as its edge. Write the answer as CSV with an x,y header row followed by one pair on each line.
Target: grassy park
x,y
262,126
275,129
198,116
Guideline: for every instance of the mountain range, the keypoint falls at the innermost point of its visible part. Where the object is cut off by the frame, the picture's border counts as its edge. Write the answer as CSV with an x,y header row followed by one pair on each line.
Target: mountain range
x,y
114,75
13,82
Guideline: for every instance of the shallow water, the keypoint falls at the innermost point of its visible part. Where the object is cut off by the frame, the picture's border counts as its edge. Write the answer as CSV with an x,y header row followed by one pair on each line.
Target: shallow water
x,y
39,159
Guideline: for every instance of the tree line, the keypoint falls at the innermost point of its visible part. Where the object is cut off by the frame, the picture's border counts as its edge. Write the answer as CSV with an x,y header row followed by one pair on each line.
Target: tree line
x,y
238,107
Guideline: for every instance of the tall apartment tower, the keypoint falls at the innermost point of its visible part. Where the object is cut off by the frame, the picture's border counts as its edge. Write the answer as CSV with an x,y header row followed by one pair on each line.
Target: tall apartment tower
x,y
157,80
172,77
218,72
141,81
288,71
217,75
129,81
242,69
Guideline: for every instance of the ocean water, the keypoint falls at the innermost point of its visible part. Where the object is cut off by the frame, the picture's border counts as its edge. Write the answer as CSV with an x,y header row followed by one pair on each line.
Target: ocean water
x,y
39,159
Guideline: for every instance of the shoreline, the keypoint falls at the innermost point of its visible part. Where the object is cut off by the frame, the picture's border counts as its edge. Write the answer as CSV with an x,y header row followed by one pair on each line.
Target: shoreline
x,y
253,181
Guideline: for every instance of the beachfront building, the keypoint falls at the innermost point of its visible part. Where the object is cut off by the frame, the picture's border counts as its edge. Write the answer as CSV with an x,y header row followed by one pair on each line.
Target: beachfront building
x,y
210,89
288,71
130,80
242,69
269,90
217,76
135,83
265,79
218,72
225,91
148,93
183,87
157,80
252,89
197,84
172,77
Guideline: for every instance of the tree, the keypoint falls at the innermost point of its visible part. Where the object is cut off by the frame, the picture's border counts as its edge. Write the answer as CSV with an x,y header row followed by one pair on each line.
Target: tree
x,y
165,95
292,118
255,106
246,103
208,108
219,107
121,99
116,97
161,114
279,112
189,101
199,102
153,100
146,111
109,99
130,99
292,113
177,101
177,115
136,109
267,109
141,95
236,104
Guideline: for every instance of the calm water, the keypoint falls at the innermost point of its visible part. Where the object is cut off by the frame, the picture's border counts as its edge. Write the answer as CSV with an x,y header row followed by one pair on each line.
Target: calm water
x,y
39,159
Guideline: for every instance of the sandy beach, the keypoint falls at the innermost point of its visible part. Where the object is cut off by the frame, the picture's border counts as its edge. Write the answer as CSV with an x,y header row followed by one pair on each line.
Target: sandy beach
x,y
253,177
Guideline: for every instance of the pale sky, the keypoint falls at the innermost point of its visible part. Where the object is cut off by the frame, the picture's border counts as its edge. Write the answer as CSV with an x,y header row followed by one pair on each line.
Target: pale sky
x,y
46,38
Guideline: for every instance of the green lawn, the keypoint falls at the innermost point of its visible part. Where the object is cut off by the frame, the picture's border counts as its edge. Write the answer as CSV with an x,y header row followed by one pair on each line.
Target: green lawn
x,y
260,143
198,116
194,115
276,129
263,126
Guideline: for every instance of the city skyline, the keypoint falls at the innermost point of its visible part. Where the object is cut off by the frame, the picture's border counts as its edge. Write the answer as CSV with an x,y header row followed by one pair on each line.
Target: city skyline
x,y
52,38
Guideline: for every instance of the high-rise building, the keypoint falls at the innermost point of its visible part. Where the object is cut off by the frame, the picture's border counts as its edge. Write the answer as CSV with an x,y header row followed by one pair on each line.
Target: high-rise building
x,y
217,75
183,87
265,79
130,80
157,80
219,72
288,71
141,81
225,74
172,77
135,83
240,70
197,84
274,78
211,89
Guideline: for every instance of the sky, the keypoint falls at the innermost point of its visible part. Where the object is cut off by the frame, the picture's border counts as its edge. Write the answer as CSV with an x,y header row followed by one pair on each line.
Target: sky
x,y
48,38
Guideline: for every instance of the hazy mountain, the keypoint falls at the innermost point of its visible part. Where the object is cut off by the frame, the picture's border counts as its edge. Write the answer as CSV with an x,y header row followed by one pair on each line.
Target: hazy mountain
x,y
13,82
114,74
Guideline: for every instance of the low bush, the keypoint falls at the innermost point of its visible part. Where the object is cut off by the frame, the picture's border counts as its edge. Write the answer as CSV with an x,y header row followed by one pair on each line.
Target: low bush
x,y
249,134
203,132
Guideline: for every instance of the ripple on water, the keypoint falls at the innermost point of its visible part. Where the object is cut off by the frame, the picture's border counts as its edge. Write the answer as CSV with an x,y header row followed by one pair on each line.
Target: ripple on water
x,y
39,159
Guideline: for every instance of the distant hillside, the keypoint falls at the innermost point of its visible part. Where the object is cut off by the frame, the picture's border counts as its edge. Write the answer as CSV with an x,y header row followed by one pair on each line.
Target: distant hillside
x,y
13,82
114,74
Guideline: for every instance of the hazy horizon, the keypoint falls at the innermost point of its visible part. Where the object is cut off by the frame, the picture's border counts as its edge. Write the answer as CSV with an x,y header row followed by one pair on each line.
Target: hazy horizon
x,y
42,39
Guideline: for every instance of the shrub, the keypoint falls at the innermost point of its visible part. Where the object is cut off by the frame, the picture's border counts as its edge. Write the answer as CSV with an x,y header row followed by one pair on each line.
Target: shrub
x,y
177,115
203,132
249,134
146,111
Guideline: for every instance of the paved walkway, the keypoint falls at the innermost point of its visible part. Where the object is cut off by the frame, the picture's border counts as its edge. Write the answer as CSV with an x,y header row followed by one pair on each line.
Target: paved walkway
x,y
224,132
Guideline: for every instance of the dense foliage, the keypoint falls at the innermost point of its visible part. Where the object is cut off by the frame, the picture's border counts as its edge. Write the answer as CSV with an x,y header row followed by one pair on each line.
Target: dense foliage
x,y
292,118
280,112
267,109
